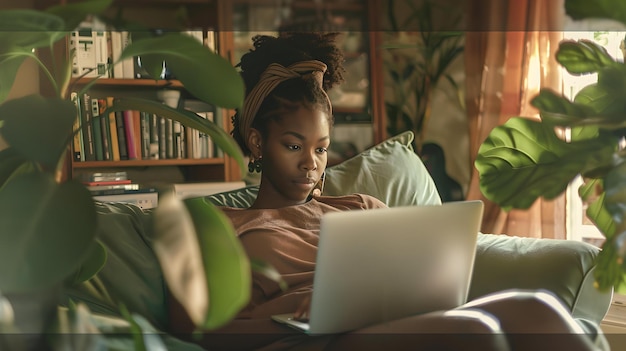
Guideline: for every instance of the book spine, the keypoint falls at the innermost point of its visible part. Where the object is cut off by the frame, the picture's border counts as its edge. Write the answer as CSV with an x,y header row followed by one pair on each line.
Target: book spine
x,y
77,142
128,63
129,129
82,41
121,135
88,141
137,131
116,50
154,136
101,50
97,129
169,138
115,146
145,135
162,138
107,150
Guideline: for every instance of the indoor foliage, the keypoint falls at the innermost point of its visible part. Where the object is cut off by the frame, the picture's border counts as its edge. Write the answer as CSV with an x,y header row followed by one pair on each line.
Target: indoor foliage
x,y
48,235
525,159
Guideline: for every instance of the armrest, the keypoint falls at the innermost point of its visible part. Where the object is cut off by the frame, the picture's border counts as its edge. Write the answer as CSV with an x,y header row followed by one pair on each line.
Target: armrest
x,y
564,267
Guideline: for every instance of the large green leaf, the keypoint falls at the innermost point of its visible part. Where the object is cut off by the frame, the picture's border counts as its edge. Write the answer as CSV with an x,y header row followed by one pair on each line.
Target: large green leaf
x,y
611,9
524,159
76,12
38,128
9,64
596,209
608,272
94,262
222,139
25,28
177,247
47,229
557,110
227,267
583,56
205,74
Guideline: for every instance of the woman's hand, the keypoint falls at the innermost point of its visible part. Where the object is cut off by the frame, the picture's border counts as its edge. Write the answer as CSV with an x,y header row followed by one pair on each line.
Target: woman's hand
x,y
302,312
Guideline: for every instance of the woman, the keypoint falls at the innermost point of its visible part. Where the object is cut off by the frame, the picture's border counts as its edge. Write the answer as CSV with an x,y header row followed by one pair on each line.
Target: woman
x,y
284,127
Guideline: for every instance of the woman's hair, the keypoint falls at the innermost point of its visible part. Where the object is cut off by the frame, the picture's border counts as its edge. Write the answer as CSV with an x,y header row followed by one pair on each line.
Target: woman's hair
x,y
287,49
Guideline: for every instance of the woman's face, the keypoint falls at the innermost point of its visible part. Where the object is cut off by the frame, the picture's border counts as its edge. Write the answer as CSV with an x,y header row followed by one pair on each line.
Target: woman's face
x,y
294,157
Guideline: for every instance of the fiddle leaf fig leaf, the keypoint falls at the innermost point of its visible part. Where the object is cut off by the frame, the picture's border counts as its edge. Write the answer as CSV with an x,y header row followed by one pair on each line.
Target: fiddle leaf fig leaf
x,y
523,159
194,65
582,56
33,121
93,263
581,9
47,229
226,264
591,192
556,109
609,273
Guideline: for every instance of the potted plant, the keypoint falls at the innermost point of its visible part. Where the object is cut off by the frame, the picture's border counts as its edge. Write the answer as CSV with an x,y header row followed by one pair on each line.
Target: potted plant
x,y
417,51
47,240
525,159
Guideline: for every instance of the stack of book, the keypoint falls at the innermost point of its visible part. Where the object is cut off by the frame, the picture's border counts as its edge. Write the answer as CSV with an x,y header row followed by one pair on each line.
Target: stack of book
x,y
117,187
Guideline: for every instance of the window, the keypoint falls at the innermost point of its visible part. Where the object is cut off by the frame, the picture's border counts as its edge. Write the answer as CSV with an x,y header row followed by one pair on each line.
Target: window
x,y
579,227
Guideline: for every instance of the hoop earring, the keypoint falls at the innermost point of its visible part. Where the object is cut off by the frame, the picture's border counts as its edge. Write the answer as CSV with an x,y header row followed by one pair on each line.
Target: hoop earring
x,y
255,165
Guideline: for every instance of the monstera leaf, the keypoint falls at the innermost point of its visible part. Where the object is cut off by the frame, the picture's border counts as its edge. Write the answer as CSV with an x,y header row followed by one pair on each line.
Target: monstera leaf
x,y
522,160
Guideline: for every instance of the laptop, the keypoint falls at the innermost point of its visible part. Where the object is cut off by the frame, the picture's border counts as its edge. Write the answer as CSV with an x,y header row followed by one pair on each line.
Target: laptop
x,y
380,265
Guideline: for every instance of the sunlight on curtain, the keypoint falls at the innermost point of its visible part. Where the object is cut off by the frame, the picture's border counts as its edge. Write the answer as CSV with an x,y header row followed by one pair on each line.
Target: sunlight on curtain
x,y
518,59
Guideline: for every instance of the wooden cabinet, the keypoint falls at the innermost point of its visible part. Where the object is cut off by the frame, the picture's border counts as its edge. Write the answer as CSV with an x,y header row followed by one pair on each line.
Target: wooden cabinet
x,y
358,103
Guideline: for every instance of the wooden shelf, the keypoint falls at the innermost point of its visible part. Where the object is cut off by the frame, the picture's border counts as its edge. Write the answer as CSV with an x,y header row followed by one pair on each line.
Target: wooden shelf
x,y
150,163
130,82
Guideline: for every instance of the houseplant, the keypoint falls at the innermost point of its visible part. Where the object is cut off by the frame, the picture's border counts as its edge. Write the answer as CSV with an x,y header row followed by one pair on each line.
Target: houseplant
x,y
417,51
525,159
47,240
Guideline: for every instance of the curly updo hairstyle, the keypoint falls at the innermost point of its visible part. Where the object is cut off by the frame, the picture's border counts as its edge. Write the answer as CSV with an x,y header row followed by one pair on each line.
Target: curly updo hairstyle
x,y
287,49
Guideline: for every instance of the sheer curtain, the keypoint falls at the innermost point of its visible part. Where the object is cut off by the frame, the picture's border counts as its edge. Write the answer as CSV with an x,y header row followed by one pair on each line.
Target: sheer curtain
x,y
509,55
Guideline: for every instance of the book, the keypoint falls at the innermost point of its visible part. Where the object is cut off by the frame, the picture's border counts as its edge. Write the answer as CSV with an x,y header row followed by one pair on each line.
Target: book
x,y
119,191
77,140
101,47
108,182
115,147
129,129
104,176
137,132
121,135
88,141
154,136
97,129
142,200
162,138
116,50
107,149
145,135
82,43
127,63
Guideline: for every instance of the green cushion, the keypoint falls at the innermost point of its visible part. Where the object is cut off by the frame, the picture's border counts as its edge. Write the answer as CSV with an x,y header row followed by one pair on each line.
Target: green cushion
x,y
389,171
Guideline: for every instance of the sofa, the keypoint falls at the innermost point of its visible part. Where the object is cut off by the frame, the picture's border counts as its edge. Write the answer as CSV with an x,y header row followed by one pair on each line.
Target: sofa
x,y
390,171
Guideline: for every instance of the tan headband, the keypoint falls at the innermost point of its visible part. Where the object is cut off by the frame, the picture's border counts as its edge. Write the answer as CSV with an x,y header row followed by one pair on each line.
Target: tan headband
x,y
273,75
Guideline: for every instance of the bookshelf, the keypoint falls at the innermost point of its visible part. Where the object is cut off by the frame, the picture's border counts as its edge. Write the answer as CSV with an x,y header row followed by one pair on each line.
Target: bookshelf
x,y
364,120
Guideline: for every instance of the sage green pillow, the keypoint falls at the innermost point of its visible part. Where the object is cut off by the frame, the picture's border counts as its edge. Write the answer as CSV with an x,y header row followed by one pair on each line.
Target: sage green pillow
x,y
389,171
